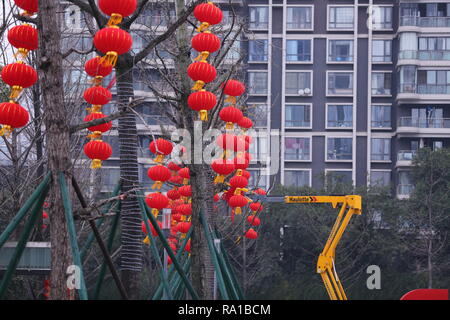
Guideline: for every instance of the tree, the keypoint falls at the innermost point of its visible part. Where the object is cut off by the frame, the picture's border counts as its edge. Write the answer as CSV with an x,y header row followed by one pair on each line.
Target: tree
x,y
427,223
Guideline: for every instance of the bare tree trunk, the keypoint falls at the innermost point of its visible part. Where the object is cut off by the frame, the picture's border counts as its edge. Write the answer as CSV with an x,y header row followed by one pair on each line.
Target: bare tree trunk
x,y
57,134
131,255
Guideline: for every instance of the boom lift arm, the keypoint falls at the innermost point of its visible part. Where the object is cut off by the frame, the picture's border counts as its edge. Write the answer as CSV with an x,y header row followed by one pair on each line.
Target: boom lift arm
x,y
350,205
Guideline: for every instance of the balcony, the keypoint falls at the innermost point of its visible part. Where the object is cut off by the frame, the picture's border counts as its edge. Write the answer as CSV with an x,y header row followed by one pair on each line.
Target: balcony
x,y
404,190
404,158
424,55
428,92
426,127
425,22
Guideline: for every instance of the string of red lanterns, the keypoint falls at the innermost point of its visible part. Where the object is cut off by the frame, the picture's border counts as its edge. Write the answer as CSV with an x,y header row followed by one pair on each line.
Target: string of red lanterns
x,y
18,75
112,42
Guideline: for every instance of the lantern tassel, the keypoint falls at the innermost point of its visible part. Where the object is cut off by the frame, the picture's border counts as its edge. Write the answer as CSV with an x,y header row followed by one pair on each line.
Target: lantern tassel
x,y
185,181
6,131
95,135
159,158
238,210
97,81
22,53
198,85
96,108
231,99
115,19
146,240
229,126
155,212
157,185
15,92
110,59
202,56
204,26
96,164
203,115
219,179
239,172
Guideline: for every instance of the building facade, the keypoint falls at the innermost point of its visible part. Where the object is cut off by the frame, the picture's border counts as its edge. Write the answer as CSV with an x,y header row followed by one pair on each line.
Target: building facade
x,y
354,87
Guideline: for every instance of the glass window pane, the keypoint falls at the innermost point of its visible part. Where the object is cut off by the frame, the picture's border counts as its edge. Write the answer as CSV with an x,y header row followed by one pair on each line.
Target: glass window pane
x,y
296,178
339,148
299,18
298,50
297,149
340,116
298,116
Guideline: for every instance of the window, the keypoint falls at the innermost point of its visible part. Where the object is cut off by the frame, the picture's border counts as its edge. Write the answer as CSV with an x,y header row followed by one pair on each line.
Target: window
x,y
258,113
340,116
299,18
296,178
381,149
380,178
297,149
340,18
74,18
339,149
340,83
298,116
258,50
110,177
407,79
433,81
259,17
298,50
405,185
340,50
259,149
257,82
234,54
298,83
335,177
381,18
381,50
381,116
381,83
257,179
431,48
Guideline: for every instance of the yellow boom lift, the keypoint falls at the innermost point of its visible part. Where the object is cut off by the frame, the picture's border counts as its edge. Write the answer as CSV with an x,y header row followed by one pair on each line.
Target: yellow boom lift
x,y
350,205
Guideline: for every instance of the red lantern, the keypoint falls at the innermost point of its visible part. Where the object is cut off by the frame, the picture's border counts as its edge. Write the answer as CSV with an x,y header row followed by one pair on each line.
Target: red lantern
x,y
44,215
216,198
238,182
202,101
251,234
234,88
97,96
205,43
185,191
24,38
157,201
186,209
223,168
161,148
202,73
176,179
188,246
97,151
256,207
241,163
159,174
30,6
18,76
185,174
12,116
113,42
230,115
260,191
144,227
245,123
209,14
254,220
184,227
98,129
177,217
226,141
237,202
96,69
117,10
173,166
244,173
173,194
